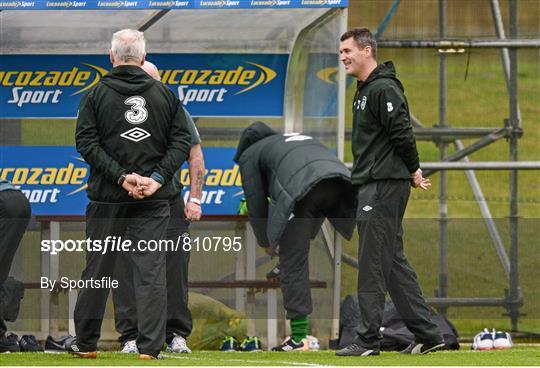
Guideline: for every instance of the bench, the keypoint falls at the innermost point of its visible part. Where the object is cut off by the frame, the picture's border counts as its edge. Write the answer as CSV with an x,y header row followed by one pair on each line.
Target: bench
x,y
244,281
253,287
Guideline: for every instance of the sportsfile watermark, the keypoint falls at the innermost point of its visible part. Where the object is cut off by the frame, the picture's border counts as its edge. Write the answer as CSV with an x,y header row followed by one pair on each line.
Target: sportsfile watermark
x,y
120,244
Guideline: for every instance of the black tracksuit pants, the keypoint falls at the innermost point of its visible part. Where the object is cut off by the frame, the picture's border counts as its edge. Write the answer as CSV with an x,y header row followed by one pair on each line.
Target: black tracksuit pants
x,y
309,214
14,217
137,221
383,266
178,315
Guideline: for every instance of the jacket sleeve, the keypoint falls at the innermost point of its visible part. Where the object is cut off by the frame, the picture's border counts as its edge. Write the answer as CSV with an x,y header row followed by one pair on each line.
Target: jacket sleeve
x,y
178,148
257,203
87,142
394,115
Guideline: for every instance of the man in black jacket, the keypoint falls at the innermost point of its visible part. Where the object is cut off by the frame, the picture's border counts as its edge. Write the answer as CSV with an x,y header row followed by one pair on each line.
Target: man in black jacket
x,y
291,183
14,217
385,163
132,131
179,322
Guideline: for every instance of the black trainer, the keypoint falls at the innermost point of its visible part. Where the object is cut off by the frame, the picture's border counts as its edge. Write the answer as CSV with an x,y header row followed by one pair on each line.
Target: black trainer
x,y
419,348
9,343
290,345
274,274
53,345
72,348
28,343
355,349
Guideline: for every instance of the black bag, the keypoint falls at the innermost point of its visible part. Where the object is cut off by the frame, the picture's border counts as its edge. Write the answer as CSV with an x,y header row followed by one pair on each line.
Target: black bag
x,y
11,294
396,336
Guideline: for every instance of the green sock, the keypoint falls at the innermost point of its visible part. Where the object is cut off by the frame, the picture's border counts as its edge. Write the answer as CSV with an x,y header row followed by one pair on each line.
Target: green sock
x,y
299,328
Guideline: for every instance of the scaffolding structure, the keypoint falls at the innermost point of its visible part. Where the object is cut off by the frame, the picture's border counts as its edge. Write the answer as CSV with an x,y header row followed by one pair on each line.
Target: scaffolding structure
x,y
442,134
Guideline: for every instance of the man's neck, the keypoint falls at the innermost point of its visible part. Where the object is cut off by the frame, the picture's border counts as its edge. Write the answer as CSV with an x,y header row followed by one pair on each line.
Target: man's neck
x,y
368,70
131,63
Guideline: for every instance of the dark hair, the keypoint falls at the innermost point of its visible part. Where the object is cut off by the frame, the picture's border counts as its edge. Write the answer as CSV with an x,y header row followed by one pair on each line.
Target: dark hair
x,y
363,38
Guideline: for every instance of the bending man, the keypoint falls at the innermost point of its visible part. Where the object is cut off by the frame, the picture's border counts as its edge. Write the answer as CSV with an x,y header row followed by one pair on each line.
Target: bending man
x,y
291,183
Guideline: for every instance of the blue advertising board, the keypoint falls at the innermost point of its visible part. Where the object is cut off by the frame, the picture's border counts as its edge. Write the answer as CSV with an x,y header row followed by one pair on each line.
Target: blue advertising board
x,y
51,86
168,4
54,179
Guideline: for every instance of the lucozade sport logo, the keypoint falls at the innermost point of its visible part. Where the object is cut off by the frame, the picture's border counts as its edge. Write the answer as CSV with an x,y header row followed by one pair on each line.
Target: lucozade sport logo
x,y
45,86
44,184
242,79
51,86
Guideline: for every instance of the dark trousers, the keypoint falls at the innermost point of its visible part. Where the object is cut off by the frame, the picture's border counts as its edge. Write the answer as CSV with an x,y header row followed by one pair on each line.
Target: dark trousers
x,y
139,221
178,315
309,214
383,267
14,217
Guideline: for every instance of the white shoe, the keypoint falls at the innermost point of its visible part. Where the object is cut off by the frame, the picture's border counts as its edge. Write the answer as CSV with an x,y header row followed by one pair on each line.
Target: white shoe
x,y
501,340
130,347
178,345
483,341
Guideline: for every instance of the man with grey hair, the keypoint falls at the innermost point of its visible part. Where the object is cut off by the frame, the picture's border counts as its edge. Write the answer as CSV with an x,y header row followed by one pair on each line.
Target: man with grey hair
x,y
179,322
132,131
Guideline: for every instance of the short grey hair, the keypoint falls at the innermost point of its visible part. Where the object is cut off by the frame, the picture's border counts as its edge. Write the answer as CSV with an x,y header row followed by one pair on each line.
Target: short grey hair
x,y
128,45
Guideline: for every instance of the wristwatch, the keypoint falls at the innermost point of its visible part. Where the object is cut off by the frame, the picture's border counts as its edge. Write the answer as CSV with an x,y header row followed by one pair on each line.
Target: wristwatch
x,y
121,179
195,200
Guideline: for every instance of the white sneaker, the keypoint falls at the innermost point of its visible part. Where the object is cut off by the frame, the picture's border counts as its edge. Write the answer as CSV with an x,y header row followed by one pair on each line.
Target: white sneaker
x,y
501,340
130,347
483,341
178,345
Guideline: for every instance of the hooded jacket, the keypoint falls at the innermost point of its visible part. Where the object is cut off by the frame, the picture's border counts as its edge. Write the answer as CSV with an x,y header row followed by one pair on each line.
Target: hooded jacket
x,y
383,142
278,170
129,122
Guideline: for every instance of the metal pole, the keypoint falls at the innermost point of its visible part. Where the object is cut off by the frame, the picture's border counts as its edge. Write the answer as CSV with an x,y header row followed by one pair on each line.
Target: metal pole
x,y
486,214
342,93
505,56
481,143
442,292
460,45
515,124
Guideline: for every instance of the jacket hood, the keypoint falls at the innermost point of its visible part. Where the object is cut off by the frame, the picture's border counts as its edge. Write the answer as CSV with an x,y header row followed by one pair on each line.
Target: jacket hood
x,y
384,70
254,133
128,80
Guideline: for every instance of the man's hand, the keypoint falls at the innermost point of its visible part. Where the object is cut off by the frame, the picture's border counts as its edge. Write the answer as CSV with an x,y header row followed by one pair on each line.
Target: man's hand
x,y
132,184
147,186
193,211
271,251
418,181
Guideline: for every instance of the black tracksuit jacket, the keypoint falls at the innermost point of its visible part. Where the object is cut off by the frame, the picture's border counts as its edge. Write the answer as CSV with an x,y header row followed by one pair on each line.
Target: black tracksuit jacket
x,y
383,142
278,171
129,122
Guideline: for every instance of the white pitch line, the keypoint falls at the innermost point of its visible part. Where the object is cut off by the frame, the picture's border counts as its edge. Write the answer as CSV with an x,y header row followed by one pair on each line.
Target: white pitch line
x,y
245,361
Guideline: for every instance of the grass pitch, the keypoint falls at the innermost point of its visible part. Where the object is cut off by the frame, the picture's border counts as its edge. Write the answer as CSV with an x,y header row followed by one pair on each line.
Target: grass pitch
x,y
517,356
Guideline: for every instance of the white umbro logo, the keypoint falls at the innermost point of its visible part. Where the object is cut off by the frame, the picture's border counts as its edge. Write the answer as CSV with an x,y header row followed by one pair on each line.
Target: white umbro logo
x,y
135,134
367,208
389,106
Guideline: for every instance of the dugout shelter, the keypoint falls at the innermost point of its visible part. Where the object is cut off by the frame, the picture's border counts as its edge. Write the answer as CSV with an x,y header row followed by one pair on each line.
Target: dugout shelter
x,y
230,62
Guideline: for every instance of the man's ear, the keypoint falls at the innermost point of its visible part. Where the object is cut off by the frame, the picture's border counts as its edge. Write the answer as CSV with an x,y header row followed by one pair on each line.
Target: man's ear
x,y
369,51
143,59
111,57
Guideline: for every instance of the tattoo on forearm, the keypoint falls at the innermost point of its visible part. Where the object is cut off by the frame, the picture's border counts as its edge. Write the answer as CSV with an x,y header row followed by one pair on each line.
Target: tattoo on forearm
x,y
196,188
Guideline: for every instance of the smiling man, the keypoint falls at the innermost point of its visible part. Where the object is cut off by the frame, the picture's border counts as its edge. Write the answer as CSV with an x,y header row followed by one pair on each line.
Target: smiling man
x,y
385,165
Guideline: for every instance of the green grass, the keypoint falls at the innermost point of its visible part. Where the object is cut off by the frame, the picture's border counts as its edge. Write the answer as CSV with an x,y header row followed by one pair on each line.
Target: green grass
x,y
517,356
